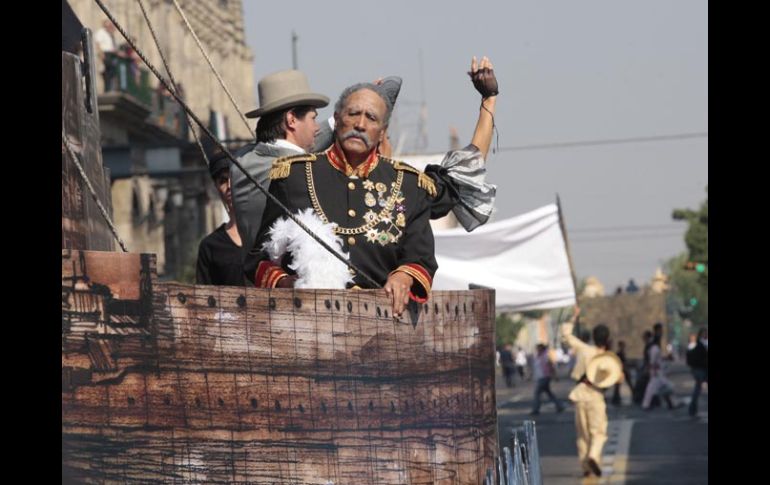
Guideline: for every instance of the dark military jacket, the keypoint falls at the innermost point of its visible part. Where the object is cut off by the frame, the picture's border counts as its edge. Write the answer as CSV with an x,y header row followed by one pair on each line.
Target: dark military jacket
x,y
382,211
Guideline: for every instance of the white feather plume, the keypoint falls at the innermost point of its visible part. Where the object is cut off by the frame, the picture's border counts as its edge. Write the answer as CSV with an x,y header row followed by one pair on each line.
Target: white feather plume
x,y
315,266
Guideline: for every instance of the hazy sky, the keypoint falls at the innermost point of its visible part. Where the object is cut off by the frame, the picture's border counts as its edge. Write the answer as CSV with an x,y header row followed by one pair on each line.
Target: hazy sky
x,y
568,71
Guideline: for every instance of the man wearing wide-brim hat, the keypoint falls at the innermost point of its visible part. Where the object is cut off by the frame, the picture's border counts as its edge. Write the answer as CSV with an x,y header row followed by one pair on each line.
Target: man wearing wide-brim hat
x,y
595,369
287,126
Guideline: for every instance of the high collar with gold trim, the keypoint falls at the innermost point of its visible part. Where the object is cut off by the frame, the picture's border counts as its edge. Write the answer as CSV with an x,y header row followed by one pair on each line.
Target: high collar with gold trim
x,y
337,160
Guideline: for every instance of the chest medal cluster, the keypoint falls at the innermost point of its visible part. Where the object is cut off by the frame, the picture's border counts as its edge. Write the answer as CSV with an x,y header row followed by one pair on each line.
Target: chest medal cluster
x,y
383,222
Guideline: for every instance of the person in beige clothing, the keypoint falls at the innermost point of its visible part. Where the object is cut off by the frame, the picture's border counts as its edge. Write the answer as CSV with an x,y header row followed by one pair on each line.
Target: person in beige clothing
x,y
590,408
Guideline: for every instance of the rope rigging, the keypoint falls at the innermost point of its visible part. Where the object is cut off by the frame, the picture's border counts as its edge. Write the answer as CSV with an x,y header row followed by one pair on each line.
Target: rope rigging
x,y
226,152
83,175
211,65
171,78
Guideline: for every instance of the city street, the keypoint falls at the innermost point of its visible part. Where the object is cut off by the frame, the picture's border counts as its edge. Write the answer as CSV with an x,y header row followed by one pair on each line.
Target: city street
x,y
658,447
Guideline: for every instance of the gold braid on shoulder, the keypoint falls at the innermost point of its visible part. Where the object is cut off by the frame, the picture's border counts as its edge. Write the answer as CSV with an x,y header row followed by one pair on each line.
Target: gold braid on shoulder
x,y
282,166
423,181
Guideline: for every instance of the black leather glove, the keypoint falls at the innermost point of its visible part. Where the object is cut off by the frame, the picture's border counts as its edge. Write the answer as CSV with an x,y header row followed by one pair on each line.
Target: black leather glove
x,y
485,82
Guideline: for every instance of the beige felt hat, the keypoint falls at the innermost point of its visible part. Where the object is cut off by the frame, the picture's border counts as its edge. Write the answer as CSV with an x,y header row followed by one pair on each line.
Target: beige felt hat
x,y
285,89
604,370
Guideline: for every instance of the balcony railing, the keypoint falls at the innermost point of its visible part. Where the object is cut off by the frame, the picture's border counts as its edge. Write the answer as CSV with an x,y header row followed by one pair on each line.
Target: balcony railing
x,y
131,79
134,80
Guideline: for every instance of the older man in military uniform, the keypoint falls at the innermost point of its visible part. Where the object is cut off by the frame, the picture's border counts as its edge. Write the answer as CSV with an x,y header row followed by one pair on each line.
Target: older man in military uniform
x,y
287,126
381,207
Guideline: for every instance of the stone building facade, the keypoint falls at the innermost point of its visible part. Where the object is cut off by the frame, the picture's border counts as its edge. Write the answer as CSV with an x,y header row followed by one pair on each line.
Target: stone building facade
x,y
163,199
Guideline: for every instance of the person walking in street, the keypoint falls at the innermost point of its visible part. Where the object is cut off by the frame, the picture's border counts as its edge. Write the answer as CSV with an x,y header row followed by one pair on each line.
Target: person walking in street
x,y
506,361
521,362
659,383
643,377
627,377
697,359
590,408
543,370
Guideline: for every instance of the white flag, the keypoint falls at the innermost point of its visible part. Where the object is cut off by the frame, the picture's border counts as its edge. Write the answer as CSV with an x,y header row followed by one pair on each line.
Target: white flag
x,y
523,258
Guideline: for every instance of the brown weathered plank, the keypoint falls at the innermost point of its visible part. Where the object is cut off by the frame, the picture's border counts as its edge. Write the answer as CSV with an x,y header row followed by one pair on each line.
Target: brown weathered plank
x,y
228,385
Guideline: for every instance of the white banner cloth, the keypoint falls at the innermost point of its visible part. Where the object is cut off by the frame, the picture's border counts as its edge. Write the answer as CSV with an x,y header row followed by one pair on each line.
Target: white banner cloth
x,y
523,258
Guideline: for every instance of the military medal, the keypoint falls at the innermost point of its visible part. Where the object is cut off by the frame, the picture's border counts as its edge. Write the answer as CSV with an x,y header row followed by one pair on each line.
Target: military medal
x,y
370,216
368,185
400,220
369,200
381,188
383,238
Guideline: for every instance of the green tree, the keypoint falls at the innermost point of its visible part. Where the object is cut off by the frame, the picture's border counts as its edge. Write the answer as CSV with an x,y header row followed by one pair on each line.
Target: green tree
x,y
507,328
684,287
697,236
689,289
533,314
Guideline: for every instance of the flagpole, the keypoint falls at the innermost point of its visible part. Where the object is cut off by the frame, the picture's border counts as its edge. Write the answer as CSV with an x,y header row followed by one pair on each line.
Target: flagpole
x,y
563,227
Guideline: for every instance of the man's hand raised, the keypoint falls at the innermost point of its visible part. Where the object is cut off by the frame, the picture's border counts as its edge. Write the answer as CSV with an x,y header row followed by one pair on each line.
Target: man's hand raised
x,y
483,77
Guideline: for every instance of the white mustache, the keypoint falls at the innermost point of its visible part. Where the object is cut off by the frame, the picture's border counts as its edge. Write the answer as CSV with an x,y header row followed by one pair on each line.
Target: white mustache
x,y
357,134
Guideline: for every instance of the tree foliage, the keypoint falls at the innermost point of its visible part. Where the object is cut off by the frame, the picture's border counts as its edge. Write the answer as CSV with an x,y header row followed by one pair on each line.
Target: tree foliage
x,y
687,286
507,328
684,286
697,236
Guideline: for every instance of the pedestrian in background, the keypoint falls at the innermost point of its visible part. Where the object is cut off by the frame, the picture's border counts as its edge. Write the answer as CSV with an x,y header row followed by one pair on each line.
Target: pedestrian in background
x,y
506,360
697,359
543,371
626,375
521,362
659,383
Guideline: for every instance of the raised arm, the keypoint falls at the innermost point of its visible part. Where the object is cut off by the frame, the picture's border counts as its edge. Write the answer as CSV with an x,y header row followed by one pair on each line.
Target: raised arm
x,y
566,332
484,80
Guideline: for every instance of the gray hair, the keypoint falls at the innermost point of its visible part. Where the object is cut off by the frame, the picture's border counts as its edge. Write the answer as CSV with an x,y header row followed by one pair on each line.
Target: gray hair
x,y
358,87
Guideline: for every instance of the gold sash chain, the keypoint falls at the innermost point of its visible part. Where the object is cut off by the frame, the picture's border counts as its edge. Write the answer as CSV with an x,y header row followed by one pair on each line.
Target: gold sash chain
x,y
349,231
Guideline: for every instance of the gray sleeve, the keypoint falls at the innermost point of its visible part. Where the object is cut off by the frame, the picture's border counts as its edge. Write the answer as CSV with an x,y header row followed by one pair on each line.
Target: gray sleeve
x,y
467,171
248,200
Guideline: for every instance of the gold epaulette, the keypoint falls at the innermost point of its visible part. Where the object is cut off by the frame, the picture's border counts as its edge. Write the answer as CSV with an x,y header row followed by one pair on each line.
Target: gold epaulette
x,y
282,166
423,181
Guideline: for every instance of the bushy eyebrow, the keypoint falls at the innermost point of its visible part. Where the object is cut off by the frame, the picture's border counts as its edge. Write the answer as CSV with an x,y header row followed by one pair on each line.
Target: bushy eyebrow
x,y
356,109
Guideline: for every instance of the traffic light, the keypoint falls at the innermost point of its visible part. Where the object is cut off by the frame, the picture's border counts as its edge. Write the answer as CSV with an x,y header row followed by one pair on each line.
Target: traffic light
x,y
693,266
